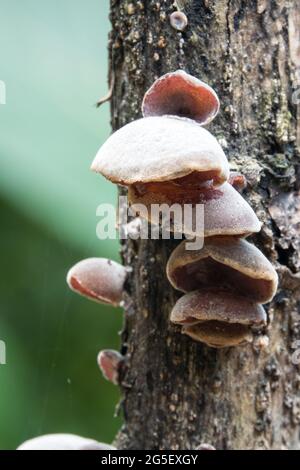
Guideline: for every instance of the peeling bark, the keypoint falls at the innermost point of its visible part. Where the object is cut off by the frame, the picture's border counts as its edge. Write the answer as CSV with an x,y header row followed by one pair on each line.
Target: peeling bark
x,y
176,393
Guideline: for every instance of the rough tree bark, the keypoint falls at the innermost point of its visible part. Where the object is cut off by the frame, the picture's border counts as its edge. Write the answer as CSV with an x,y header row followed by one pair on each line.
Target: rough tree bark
x,y
177,393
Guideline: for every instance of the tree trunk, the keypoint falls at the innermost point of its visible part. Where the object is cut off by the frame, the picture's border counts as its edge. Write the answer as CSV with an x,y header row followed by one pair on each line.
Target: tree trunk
x,y
176,393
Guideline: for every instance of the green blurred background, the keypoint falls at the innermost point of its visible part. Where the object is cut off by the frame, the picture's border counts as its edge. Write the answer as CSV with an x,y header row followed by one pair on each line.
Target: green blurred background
x,y
53,60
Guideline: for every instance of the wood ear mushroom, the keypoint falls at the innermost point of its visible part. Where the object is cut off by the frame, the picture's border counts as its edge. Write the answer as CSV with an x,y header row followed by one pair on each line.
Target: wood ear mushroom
x,y
98,279
180,94
167,158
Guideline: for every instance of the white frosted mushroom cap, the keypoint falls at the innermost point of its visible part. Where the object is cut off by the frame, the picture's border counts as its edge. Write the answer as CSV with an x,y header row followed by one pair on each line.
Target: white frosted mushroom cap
x,y
98,279
156,149
63,442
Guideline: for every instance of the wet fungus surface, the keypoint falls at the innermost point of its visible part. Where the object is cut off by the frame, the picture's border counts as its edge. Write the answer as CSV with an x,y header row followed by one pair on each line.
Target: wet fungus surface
x,y
98,279
180,94
217,317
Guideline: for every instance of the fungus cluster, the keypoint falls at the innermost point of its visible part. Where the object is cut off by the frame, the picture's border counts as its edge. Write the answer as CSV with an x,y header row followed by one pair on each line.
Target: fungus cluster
x,y
168,158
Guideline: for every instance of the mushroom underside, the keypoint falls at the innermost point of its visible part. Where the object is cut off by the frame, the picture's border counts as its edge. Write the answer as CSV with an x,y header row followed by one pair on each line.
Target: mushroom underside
x,y
225,212
180,94
217,317
183,104
85,292
184,189
208,272
218,334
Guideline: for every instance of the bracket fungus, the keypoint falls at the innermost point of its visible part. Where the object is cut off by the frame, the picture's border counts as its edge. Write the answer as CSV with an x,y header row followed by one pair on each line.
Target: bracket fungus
x,y
217,317
63,442
228,262
226,212
98,279
167,150
180,94
167,158
227,281
110,363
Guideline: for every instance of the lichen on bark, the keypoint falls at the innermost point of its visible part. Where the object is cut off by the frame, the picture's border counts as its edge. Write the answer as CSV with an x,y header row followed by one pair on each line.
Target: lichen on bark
x,y
176,393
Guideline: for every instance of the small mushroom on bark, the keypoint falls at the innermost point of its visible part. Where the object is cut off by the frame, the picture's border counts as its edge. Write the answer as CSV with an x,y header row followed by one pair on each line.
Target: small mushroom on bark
x,y
111,363
217,317
162,154
180,94
225,211
178,20
63,442
237,180
98,279
229,262
205,447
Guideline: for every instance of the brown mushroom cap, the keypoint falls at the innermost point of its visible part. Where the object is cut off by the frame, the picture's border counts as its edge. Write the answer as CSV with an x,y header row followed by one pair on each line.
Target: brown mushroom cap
x,y
98,279
159,149
230,262
110,363
225,211
181,94
217,317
